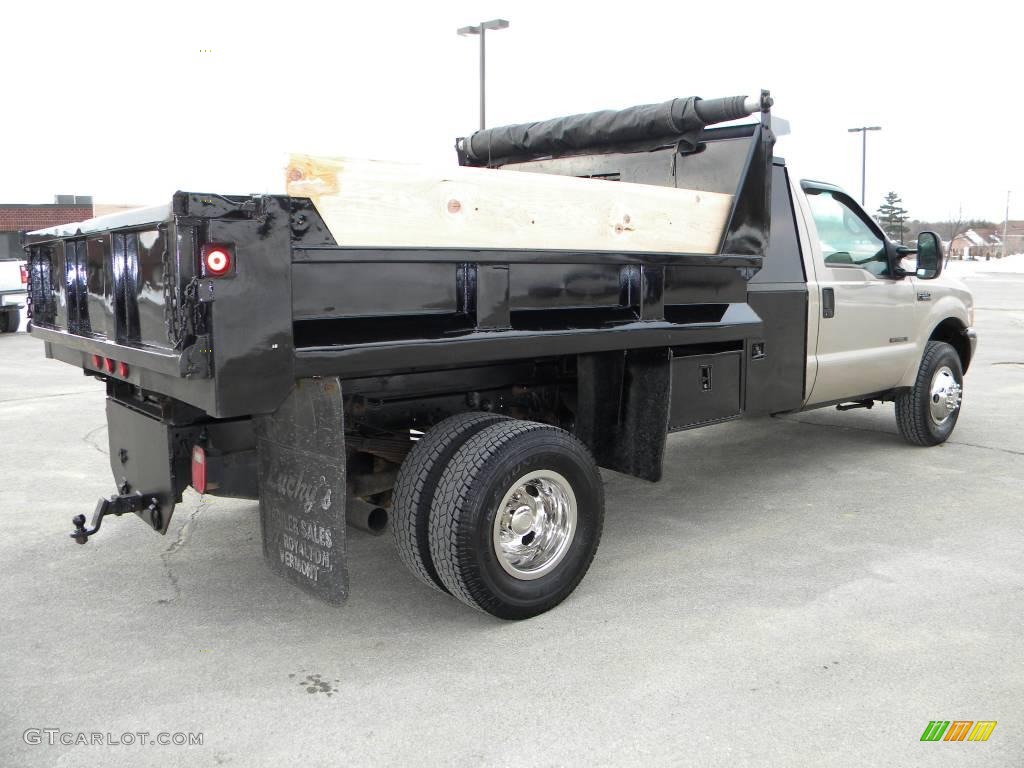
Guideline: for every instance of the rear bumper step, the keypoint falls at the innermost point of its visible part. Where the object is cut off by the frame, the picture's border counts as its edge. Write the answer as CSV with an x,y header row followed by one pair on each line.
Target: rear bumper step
x,y
160,361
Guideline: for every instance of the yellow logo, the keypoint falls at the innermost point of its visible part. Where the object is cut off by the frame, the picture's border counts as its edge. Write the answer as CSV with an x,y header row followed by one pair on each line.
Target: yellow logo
x,y
958,730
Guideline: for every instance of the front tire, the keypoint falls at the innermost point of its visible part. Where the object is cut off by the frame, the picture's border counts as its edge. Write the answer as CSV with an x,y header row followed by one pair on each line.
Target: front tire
x,y
516,519
927,413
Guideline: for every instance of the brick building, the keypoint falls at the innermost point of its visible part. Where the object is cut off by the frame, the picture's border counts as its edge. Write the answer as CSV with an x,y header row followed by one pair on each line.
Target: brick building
x,y
18,218
987,242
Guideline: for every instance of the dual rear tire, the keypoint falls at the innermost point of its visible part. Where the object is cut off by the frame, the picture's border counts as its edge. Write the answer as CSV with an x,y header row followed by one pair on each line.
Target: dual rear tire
x,y
504,515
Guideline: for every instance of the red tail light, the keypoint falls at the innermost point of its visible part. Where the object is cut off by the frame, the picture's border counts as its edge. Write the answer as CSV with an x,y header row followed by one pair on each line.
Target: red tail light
x,y
122,370
218,259
24,274
198,469
108,365
97,361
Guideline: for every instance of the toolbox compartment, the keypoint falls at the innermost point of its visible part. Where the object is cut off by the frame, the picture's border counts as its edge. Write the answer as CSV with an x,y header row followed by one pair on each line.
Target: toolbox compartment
x,y
705,389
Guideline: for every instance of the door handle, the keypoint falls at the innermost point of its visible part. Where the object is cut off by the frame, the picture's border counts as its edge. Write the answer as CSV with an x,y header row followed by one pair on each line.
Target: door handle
x,y
828,302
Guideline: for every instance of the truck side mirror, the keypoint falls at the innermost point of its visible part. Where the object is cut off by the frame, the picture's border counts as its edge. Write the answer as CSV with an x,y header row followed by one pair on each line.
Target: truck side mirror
x,y
929,256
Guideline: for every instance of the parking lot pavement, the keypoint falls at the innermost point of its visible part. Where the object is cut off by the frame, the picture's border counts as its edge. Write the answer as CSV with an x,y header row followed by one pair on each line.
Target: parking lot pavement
x,y
805,590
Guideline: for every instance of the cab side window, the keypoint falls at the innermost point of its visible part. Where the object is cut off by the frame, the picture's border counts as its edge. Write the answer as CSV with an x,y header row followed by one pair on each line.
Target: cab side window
x,y
846,239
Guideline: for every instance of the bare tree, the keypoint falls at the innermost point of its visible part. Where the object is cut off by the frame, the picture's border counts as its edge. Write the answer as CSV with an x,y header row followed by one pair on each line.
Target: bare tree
x,y
955,228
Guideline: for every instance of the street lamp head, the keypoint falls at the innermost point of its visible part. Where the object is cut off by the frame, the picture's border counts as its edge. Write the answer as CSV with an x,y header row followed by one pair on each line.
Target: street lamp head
x,y
483,25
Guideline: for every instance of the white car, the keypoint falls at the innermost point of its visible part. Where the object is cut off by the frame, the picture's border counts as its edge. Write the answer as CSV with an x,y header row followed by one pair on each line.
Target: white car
x,y
13,287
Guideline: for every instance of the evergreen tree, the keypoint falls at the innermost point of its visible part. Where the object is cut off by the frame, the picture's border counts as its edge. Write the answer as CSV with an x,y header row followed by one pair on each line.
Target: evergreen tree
x,y
892,217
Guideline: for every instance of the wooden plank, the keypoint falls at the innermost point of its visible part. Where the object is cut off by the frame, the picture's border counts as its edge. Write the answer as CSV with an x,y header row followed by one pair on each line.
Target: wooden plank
x,y
384,204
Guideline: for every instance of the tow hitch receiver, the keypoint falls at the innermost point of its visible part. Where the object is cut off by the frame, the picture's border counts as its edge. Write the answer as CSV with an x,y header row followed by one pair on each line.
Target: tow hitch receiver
x,y
116,505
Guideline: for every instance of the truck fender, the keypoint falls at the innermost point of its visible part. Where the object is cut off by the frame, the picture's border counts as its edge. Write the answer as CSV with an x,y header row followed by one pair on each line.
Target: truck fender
x,y
947,314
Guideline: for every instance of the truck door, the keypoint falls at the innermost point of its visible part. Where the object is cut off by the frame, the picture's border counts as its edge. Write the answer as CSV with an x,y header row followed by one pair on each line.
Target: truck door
x,y
866,329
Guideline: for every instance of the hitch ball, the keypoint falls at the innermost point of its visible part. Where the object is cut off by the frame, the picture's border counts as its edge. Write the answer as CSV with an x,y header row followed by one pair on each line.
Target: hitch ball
x,y
79,534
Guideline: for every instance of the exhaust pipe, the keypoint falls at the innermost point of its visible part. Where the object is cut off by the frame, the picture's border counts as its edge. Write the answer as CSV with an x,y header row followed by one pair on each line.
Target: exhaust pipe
x,y
364,516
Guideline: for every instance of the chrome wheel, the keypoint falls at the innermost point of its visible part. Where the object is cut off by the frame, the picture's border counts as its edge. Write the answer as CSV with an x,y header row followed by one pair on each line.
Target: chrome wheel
x,y
535,524
945,395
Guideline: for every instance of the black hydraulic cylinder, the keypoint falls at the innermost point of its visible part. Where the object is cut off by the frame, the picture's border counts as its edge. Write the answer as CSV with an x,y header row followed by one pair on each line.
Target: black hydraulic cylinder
x,y
675,120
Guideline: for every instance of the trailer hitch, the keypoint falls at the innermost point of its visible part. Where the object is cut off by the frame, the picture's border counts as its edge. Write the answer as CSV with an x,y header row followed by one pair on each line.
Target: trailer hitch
x,y
115,505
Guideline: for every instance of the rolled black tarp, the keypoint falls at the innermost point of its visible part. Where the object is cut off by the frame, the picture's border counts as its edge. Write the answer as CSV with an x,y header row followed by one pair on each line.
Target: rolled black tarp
x,y
675,120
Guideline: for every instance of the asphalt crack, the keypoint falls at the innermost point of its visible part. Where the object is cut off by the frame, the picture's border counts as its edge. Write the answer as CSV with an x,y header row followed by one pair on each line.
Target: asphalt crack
x,y
988,448
1009,451
87,438
184,536
47,397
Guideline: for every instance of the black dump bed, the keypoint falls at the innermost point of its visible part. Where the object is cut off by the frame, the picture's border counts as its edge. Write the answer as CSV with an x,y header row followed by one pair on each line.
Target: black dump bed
x,y
131,289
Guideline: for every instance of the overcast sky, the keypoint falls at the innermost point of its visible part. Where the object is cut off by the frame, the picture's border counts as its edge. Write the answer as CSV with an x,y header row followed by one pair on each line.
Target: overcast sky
x,y
122,100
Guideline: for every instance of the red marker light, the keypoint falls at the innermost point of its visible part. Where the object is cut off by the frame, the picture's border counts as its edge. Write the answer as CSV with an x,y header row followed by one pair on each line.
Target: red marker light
x,y
216,260
122,370
97,361
108,365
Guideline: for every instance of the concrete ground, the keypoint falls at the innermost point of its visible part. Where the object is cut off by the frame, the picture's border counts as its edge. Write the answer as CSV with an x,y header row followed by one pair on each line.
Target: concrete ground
x,y
799,591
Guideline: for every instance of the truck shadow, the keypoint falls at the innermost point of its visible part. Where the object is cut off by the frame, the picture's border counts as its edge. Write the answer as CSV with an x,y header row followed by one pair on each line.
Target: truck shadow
x,y
728,473
730,476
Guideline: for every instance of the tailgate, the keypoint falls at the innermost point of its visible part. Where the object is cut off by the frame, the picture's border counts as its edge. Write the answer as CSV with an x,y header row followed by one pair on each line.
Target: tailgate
x,y
113,288
109,278
126,297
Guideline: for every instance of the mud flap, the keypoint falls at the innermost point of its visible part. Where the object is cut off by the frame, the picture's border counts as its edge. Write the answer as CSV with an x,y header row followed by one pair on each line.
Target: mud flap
x,y
301,456
623,409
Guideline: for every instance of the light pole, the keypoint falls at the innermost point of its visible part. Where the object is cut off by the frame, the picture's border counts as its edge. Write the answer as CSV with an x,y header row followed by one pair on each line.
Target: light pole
x,y
863,131
481,29
1006,222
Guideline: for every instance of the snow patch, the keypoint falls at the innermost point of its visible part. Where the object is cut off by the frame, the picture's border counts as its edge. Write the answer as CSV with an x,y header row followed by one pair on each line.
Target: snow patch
x,y
1012,264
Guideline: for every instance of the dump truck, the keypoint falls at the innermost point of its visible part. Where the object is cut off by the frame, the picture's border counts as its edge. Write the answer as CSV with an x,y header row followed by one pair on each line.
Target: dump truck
x,y
455,353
